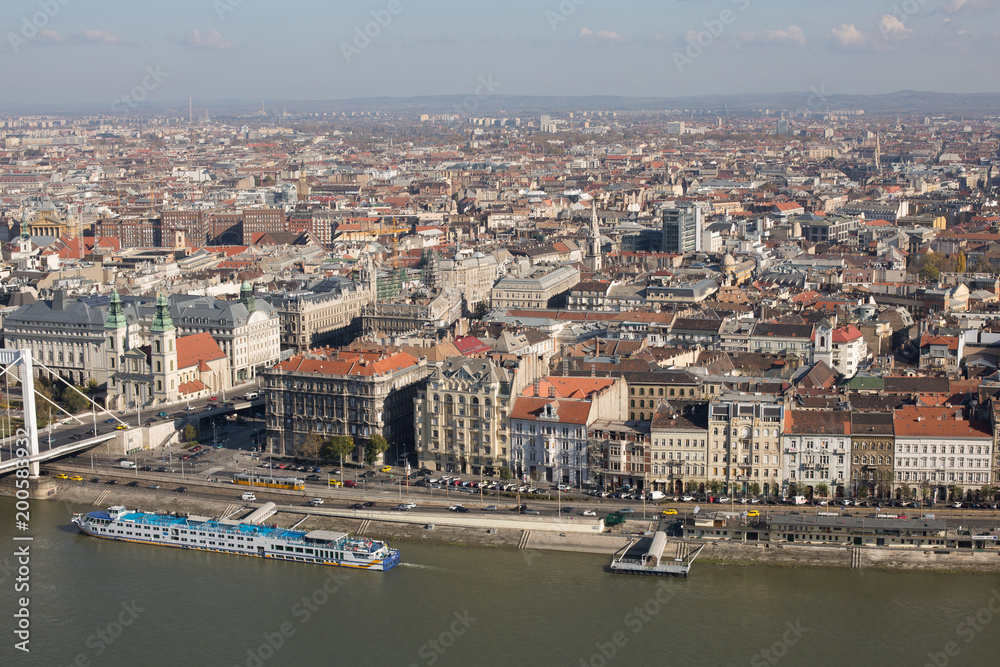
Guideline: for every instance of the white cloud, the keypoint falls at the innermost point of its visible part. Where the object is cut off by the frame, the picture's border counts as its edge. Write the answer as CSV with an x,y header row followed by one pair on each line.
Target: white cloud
x,y
97,37
893,29
849,37
791,35
211,40
47,36
599,36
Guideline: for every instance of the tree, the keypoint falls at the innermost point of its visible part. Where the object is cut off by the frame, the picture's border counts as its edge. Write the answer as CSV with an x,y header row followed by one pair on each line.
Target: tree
x,y
190,433
925,489
754,489
311,446
374,448
987,492
960,262
73,401
505,474
338,447
715,486
863,492
479,312
823,490
905,491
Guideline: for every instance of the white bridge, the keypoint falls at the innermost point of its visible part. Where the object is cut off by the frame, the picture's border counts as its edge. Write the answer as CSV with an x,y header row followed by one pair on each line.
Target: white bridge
x,y
22,446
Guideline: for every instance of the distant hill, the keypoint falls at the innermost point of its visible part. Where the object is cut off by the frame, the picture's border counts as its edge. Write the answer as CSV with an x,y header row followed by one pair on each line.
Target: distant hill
x,y
902,102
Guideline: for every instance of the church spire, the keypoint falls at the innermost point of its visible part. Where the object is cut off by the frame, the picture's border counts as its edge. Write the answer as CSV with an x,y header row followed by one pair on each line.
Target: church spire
x,y
162,321
246,296
594,247
116,314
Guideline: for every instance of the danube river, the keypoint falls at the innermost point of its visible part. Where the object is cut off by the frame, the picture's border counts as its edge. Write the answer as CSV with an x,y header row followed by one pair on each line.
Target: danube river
x,y
94,602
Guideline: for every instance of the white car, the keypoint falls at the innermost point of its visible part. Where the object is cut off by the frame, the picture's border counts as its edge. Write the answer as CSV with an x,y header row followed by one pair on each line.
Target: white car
x,y
589,513
688,499
406,506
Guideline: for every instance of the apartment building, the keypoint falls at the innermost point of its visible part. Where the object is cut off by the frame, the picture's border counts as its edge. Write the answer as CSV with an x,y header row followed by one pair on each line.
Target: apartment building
x,y
461,418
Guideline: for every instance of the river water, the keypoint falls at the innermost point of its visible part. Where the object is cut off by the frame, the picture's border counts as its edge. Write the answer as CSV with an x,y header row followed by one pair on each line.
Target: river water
x,y
95,602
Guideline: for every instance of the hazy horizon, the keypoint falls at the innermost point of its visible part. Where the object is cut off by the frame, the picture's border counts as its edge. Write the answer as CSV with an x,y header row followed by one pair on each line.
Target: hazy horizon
x,y
67,52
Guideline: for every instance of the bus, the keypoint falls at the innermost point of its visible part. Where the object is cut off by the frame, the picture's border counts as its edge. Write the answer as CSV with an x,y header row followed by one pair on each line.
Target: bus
x,y
290,483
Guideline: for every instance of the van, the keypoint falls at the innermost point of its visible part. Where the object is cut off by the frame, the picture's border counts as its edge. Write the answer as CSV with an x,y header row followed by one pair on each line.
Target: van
x,y
253,395
130,465
248,495
798,500
654,495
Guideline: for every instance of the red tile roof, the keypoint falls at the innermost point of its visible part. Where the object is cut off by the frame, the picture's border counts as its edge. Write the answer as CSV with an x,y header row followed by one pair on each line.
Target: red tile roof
x,y
197,349
933,422
569,412
348,362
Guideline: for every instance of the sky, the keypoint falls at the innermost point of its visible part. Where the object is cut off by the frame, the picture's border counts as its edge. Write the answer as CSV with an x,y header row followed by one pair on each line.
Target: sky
x,y
113,52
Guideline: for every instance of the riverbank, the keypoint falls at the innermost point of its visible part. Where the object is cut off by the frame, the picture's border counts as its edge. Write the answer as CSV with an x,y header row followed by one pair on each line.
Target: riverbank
x,y
515,533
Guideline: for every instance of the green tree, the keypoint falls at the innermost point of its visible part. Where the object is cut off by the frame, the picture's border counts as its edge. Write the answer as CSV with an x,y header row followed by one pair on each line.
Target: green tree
x,y
505,474
905,491
374,448
190,433
988,492
311,446
823,490
925,489
480,311
754,489
338,447
73,401
863,492
715,486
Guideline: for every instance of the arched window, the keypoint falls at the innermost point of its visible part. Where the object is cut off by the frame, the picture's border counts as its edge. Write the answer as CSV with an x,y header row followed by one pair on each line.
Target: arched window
x,y
489,402
461,400
475,400
661,391
632,406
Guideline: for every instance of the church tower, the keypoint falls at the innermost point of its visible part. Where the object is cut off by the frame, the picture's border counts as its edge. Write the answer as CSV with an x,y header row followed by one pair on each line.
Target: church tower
x,y
164,353
116,330
246,296
593,260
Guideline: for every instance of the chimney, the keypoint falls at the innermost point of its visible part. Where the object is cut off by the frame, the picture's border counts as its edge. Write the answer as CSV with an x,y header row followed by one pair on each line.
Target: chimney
x,y
552,391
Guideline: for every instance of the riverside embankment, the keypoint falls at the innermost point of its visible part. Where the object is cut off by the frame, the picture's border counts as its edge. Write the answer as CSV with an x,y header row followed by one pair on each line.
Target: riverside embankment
x,y
504,530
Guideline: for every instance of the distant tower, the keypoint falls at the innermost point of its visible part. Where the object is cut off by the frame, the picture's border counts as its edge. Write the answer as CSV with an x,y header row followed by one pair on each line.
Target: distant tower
x,y
878,152
593,261
190,111
164,353
246,296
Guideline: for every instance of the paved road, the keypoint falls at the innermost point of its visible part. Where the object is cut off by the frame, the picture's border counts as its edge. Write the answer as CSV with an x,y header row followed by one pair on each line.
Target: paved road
x,y
70,430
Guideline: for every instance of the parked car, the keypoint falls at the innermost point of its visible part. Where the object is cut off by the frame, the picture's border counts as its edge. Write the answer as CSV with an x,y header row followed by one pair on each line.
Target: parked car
x,y
350,484
688,499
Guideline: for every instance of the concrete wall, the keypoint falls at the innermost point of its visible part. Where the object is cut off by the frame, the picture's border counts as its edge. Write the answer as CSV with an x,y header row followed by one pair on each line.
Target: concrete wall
x,y
823,556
